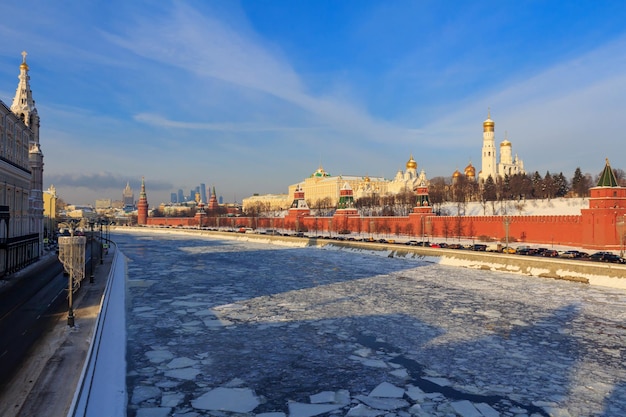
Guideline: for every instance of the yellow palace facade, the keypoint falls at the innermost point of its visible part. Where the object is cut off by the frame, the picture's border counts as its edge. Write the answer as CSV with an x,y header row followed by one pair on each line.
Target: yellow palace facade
x,y
322,188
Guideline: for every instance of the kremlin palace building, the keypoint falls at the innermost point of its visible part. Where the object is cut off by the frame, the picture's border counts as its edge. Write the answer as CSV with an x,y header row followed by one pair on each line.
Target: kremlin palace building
x,y
21,179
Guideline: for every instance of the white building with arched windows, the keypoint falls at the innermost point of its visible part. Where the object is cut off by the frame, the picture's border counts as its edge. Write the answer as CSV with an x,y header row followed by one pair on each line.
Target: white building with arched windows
x,y
21,179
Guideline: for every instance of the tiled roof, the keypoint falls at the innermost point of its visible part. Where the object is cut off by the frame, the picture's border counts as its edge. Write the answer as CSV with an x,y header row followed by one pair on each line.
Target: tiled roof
x,y
607,178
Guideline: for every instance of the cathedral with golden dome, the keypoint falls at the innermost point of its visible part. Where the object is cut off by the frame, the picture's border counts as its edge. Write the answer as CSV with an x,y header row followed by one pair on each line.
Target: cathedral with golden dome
x,y
405,181
508,165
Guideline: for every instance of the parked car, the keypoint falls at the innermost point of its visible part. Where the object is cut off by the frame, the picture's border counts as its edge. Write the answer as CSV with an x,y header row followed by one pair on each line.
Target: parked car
x,y
599,256
550,253
607,257
615,259
571,254
525,251
508,249
479,247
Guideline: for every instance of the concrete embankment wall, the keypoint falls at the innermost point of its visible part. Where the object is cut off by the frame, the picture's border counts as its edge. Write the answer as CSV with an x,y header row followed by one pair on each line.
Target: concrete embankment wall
x,y
594,273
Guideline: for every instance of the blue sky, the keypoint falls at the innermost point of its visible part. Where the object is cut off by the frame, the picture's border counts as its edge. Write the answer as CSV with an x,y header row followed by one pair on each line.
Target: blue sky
x,y
253,96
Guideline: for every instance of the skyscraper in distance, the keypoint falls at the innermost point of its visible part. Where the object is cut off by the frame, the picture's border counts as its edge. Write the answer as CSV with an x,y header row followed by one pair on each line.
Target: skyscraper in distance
x,y
203,193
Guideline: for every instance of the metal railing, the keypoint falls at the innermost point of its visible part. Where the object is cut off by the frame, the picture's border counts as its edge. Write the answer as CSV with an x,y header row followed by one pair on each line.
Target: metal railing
x,y
101,390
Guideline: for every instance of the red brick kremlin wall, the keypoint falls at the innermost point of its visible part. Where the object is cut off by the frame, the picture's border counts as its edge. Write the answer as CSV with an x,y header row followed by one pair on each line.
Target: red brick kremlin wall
x,y
597,227
597,231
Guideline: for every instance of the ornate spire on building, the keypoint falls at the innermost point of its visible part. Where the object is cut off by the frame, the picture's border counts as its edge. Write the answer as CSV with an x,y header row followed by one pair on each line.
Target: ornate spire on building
x,y
24,108
23,104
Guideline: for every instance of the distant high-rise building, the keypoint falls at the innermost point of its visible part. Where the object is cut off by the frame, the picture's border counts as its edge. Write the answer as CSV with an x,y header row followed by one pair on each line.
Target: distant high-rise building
x,y
128,197
203,193
173,198
181,197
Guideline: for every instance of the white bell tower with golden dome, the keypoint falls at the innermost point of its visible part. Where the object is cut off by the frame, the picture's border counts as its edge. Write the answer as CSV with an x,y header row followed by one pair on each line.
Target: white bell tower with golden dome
x,y
489,166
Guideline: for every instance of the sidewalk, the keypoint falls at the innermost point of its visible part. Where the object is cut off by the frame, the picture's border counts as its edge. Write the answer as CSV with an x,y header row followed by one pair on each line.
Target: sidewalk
x,y
45,385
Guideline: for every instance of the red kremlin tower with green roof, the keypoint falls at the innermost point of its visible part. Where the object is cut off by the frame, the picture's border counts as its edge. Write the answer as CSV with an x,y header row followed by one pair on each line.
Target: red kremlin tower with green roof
x,y
603,221
213,204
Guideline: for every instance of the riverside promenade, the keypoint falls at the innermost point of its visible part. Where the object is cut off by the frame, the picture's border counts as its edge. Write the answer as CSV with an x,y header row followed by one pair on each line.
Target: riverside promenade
x,y
45,384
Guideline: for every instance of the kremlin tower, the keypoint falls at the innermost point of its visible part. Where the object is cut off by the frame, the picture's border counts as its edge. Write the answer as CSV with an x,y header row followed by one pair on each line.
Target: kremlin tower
x,y
299,205
213,204
422,204
346,200
142,205
200,213
298,210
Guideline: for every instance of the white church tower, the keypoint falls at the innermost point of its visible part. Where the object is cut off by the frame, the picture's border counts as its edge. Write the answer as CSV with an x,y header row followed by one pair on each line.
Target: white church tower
x,y
508,165
489,166
24,107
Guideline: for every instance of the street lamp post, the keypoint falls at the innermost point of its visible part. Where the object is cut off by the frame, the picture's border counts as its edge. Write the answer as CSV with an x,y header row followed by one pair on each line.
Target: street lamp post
x,y
91,277
101,260
507,222
72,256
620,230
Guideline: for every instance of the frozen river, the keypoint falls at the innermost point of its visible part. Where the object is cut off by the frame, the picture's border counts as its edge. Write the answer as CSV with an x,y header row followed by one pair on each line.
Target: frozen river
x,y
225,327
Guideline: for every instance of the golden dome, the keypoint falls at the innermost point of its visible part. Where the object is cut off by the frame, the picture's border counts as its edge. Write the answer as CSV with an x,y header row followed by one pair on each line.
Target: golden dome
x,y
470,171
320,173
488,125
411,164
367,179
456,174
505,143
24,65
